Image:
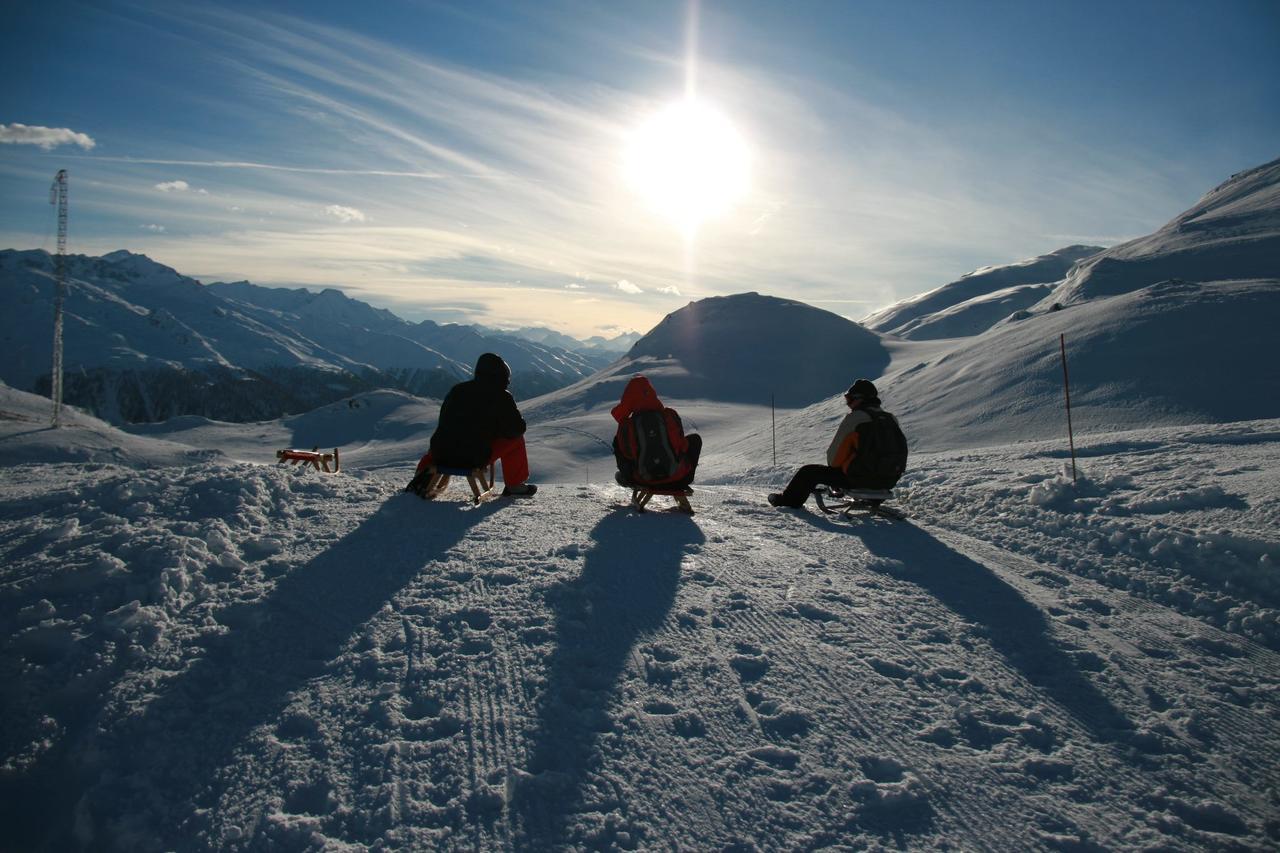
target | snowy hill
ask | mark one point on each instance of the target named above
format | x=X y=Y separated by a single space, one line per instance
x=746 y=347
x=239 y=656
x=144 y=343
x=971 y=304
x=1158 y=355
x=1232 y=233
x=1160 y=330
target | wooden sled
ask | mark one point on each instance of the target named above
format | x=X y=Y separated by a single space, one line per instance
x=641 y=495
x=314 y=457
x=479 y=479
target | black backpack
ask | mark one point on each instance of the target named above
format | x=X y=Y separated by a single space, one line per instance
x=650 y=443
x=882 y=452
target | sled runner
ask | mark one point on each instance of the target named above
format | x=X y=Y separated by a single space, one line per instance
x=313 y=456
x=844 y=501
x=641 y=495
x=432 y=482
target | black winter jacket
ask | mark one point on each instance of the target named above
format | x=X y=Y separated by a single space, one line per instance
x=473 y=414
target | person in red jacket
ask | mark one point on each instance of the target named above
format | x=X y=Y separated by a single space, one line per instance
x=669 y=458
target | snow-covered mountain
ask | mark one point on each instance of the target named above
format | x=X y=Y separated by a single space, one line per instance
x=1172 y=328
x=143 y=343
x=749 y=347
x=1233 y=233
x=978 y=299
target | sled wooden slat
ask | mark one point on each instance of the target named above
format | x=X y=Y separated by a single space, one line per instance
x=479 y=479
x=640 y=497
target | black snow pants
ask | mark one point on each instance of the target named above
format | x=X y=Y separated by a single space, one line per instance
x=801 y=485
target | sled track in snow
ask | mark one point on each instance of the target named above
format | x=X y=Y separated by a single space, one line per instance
x=749 y=676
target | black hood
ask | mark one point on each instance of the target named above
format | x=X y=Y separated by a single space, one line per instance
x=491 y=368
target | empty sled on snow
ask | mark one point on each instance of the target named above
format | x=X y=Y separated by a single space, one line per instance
x=437 y=480
x=291 y=456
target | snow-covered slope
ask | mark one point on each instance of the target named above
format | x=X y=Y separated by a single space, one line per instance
x=974 y=316
x=917 y=317
x=237 y=656
x=1231 y=233
x=26 y=437
x=1171 y=353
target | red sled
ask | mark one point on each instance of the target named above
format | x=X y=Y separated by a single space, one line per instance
x=312 y=457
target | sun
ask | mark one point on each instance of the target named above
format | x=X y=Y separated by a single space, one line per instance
x=689 y=163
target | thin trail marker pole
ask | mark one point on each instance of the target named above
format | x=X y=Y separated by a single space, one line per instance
x=58 y=196
x=1066 y=387
x=773 y=417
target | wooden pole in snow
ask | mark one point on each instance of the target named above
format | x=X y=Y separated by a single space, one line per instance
x=1066 y=387
x=773 y=418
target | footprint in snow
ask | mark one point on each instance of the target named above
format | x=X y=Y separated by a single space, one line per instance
x=775 y=756
x=475 y=618
x=297 y=726
x=661 y=664
x=889 y=669
x=814 y=612
x=778 y=718
x=750 y=667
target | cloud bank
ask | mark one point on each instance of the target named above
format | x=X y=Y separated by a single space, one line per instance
x=47 y=138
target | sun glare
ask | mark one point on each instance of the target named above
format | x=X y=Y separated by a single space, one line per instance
x=688 y=163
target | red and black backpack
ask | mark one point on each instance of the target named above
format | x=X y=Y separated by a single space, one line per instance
x=645 y=437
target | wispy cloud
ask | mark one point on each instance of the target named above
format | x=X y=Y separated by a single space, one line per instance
x=344 y=214
x=179 y=187
x=668 y=290
x=275 y=167
x=627 y=287
x=47 y=138
x=153 y=228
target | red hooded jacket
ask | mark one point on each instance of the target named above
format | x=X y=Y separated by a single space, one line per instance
x=639 y=396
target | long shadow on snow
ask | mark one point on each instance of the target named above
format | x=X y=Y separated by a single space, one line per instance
x=626 y=590
x=163 y=759
x=1015 y=627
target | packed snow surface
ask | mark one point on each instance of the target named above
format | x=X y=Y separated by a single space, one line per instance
x=204 y=651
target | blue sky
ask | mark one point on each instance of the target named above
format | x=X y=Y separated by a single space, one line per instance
x=464 y=161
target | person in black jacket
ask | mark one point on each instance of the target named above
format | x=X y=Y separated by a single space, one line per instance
x=479 y=423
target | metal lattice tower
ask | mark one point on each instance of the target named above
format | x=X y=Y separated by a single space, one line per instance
x=58 y=196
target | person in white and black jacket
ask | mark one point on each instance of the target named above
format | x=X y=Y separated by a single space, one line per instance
x=868 y=451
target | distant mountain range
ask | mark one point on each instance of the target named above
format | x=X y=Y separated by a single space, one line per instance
x=144 y=343
x=617 y=344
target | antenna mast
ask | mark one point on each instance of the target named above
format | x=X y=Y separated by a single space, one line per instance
x=58 y=196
